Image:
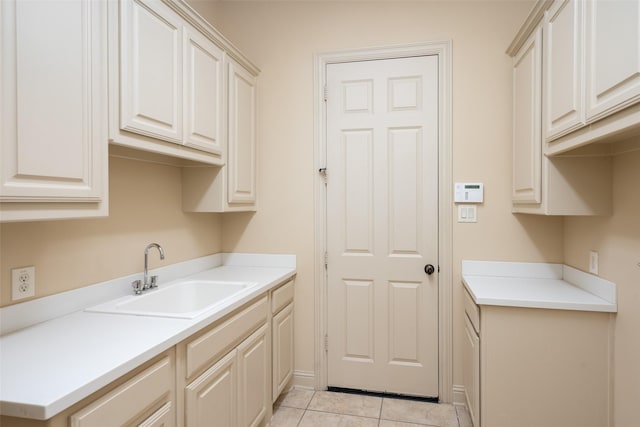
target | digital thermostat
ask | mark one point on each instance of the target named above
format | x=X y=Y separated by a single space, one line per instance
x=468 y=192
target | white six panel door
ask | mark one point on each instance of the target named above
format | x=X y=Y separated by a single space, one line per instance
x=382 y=223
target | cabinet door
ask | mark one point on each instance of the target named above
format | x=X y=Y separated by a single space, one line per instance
x=613 y=56
x=471 y=371
x=213 y=395
x=241 y=166
x=563 y=106
x=151 y=70
x=203 y=93
x=282 y=349
x=527 y=143
x=253 y=375
x=53 y=92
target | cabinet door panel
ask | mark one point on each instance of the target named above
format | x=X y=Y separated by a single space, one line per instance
x=613 y=56
x=151 y=72
x=563 y=69
x=471 y=371
x=253 y=369
x=53 y=85
x=527 y=141
x=282 y=350
x=213 y=395
x=203 y=115
x=242 y=138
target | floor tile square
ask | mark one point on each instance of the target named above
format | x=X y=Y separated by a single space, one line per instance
x=464 y=419
x=295 y=398
x=387 y=423
x=326 y=419
x=286 y=417
x=347 y=404
x=409 y=411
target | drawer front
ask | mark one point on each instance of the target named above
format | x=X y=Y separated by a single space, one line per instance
x=133 y=399
x=472 y=310
x=281 y=297
x=205 y=349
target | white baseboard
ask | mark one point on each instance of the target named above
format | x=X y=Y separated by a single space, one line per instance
x=459 y=395
x=304 y=380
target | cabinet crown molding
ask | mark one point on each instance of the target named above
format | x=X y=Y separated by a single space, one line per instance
x=194 y=18
x=528 y=26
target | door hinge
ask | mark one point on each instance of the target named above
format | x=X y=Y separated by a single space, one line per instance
x=326 y=343
x=326 y=259
x=323 y=174
x=326 y=93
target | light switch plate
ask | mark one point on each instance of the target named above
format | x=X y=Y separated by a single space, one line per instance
x=467 y=213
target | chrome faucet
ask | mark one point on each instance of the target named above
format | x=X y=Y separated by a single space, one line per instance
x=148 y=282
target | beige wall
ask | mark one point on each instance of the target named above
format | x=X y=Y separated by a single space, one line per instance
x=281 y=38
x=617 y=240
x=145 y=206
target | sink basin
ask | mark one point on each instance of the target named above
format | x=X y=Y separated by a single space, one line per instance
x=185 y=299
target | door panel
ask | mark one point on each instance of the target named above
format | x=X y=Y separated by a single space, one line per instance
x=382 y=216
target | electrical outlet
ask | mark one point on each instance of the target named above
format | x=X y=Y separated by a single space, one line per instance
x=23 y=282
x=593 y=262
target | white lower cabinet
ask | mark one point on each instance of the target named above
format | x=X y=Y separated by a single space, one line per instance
x=471 y=360
x=235 y=390
x=214 y=395
x=147 y=399
x=282 y=338
x=254 y=403
x=226 y=370
x=530 y=367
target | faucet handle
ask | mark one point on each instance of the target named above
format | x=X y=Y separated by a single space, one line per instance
x=137 y=286
x=154 y=282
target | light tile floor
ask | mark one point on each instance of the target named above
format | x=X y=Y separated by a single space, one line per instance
x=306 y=408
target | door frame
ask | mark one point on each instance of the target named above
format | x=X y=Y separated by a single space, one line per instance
x=445 y=331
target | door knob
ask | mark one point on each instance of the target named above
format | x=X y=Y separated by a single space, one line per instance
x=429 y=269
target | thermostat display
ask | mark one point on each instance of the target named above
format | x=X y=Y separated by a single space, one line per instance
x=468 y=192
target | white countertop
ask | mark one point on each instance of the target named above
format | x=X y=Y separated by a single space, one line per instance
x=49 y=366
x=537 y=285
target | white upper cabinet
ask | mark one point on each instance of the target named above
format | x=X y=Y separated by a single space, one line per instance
x=167 y=81
x=242 y=136
x=53 y=86
x=151 y=70
x=548 y=101
x=527 y=141
x=231 y=188
x=563 y=81
x=204 y=93
x=591 y=72
x=612 y=56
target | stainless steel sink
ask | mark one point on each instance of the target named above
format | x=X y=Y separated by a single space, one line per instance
x=185 y=299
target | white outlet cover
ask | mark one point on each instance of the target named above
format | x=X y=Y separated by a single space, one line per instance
x=23 y=282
